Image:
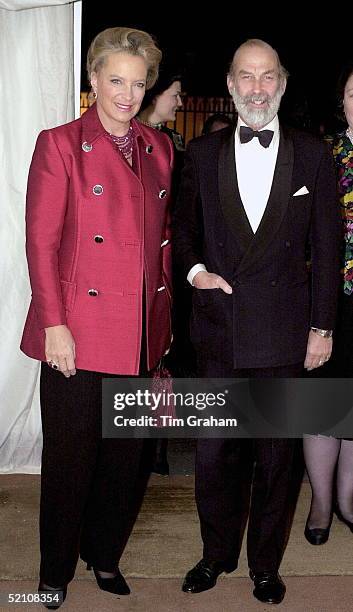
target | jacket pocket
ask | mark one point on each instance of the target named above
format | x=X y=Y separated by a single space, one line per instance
x=68 y=292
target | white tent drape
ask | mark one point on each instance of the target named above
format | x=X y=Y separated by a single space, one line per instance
x=36 y=92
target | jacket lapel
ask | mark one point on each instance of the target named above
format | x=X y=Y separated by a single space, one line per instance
x=276 y=206
x=92 y=129
x=230 y=200
x=93 y=133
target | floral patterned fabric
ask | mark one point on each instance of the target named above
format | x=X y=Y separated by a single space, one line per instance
x=343 y=155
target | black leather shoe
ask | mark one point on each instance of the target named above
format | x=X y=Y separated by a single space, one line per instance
x=116 y=584
x=57 y=594
x=269 y=587
x=204 y=575
x=317 y=535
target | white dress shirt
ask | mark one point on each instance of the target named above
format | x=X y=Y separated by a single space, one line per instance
x=255 y=166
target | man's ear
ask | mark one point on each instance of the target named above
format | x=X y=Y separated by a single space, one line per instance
x=283 y=86
x=230 y=84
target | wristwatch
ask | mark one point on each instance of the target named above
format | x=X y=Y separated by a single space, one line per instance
x=325 y=333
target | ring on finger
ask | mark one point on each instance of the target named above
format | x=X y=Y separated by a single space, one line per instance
x=52 y=364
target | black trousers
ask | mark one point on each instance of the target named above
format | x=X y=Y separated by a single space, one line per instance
x=223 y=480
x=91 y=488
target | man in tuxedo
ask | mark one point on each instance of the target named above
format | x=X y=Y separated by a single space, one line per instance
x=251 y=201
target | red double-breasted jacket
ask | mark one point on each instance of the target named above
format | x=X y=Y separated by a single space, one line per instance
x=97 y=236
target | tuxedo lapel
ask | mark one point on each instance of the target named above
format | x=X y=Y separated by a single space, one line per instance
x=230 y=200
x=276 y=206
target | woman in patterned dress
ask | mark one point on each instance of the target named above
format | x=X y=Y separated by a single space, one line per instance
x=327 y=457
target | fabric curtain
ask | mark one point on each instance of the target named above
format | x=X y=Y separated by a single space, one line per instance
x=36 y=92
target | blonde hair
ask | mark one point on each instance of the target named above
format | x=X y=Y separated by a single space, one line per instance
x=134 y=42
x=257 y=42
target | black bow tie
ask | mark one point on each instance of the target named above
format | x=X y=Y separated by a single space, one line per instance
x=247 y=134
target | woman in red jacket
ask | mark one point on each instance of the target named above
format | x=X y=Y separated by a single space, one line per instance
x=99 y=261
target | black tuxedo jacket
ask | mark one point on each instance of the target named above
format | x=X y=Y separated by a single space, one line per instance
x=276 y=295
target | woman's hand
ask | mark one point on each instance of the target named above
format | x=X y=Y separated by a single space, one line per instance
x=60 y=349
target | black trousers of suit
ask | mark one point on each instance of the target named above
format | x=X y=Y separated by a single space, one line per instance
x=91 y=488
x=223 y=479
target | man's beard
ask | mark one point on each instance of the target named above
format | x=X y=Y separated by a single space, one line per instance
x=254 y=117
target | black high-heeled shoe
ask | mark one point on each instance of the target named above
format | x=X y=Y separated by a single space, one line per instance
x=58 y=595
x=116 y=584
x=317 y=535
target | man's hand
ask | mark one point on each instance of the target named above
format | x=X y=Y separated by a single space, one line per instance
x=318 y=351
x=60 y=349
x=208 y=280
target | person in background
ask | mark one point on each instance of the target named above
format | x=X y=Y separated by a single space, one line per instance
x=100 y=268
x=329 y=461
x=216 y=122
x=159 y=107
x=249 y=199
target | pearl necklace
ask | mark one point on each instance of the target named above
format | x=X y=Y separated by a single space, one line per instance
x=349 y=133
x=125 y=143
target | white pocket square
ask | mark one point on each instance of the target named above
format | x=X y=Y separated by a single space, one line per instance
x=302 y=191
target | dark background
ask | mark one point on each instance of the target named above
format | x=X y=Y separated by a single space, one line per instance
x=313 y=50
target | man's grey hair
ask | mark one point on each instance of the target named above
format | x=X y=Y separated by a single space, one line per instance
x=257 y=42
